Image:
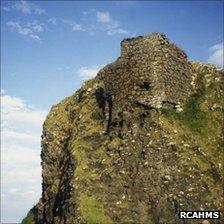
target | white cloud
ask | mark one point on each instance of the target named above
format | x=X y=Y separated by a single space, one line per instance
x=216 y=54
x=26 y=7
x=108 y=24
x=53 y=21
x=23 y=7
x=114 y=27
x=34 y=36
x=103 y=17
x=31 y=29
x=20 y=29
x=3 y=91
x=36 y=27
x=93 y=22
x=85 y=13
x=117 y=31
x=88 y=72
x=15 y=111
x=74 y=25
x=39 y=11
x=100 y=21
x=8 y=102
x=21 y=126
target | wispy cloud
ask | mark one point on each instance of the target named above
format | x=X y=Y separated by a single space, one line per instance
x=91 y=22
x=216 y=54
x=103 y=17
x=24 y=7
x=39 y=11
x=73 y=25
x=53 y=20
x=36 y=27
x=31 y=29
x=117 y=31
x=88 y=72
x=94 y=22
x=108 y=24
x=21 y=126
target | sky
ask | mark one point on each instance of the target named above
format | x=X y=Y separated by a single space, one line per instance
x=48 y=48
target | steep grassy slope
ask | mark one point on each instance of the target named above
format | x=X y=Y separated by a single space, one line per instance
x=30 y=217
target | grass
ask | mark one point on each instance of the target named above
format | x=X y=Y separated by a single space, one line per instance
x=93 y=211
x=30 y=218
x=192 y=115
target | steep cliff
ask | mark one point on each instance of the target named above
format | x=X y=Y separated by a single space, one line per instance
x=136 y=144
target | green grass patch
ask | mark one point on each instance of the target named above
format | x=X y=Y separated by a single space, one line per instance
x=192 y=115
x=93 y=211
x=30 y=217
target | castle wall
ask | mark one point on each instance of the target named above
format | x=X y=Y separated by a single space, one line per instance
x=150 y=71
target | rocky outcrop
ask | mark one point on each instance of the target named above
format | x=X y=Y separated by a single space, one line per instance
x=136 y=144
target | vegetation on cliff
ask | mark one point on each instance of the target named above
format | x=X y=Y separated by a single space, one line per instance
x=136 y=144
x=30 y=217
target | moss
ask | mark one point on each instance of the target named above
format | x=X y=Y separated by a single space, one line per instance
x=30 y=217
x=196 y=114
x=82 y=171
x=93 y=211
x=101 y=153
x=192 y=115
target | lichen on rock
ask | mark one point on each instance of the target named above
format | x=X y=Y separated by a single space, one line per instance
x=136 y=144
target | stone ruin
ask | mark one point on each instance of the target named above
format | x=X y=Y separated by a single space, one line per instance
x=150 y=71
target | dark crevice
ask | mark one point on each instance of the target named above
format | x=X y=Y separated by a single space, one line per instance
x=59 y=202
x=110 y=108
x=105 y=104
x=142 y=105
x=145 y=86
x=64 y=190
x=168 y=105
x=101 y=99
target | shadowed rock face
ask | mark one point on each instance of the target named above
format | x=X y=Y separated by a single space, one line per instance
x=136 y=144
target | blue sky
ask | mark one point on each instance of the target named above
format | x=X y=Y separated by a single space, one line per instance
x=49 y=48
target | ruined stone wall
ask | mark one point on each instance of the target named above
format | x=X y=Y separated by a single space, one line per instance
x=150 y=71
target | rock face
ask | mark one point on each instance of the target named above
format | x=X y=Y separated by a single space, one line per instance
x=136 y=144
